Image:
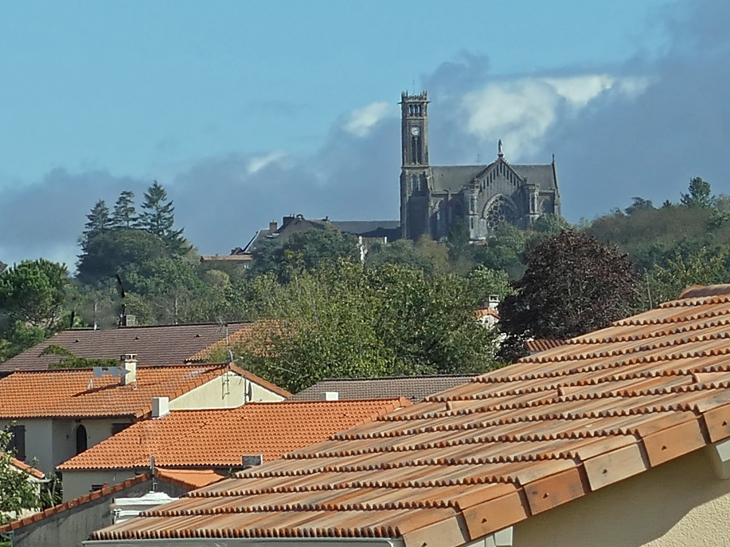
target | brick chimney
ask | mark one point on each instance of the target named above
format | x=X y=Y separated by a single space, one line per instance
x=128 y=362
x=272 y=226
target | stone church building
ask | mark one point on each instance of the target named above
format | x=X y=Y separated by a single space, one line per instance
x=433 y=197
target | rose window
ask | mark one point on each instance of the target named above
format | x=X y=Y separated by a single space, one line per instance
x=500 y=211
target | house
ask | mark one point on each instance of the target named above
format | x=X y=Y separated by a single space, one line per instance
x=413 y=388
x=57 y=414
x=618 y=438
x=154 y=346
x=69 y=523
x=219 y=440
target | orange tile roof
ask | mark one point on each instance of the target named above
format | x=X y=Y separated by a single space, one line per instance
x=543 y=344
x=485 y=455
x=27 y=468
x=483 y=312
x=76 y=393
x=189 y=479
x=220 y=438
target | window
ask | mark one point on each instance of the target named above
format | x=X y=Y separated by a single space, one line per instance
x=119 y=427
x=17 y=443
x=82 y=441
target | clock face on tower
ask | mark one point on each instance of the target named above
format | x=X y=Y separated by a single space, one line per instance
x=415 y=131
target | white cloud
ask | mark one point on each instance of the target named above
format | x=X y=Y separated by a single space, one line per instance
x=364 y=119
x=258 y=163
x=520 y=112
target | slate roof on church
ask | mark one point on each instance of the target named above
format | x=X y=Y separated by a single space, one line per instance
x=483 y=456
x=414 y=388
x=220 y=438
x=455 y=177
x=157 y=345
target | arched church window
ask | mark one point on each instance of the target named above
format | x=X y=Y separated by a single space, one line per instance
x=414 y=183
x=500 y=210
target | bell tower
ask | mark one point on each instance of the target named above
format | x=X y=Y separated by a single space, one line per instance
x=414 y=179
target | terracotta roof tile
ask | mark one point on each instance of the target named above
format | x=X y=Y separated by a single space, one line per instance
x=512 y=443
x=220 y=438
x=27 y=468
x=76 y=393
x=542 y=344
x=155 y=345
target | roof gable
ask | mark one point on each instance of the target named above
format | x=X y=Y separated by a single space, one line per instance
x=483 y=456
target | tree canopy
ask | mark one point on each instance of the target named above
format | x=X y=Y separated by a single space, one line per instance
x=17 y=492
x=573 y=284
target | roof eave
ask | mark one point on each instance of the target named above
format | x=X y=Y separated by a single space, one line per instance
x=250 y=542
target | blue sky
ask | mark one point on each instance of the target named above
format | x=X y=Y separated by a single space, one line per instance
x=247 y=111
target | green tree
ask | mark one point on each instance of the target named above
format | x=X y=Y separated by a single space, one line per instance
x=504 y=250
x=639 y=204
x=98 y=222
x=666 y=282
x=550 y=224
x=350 y=321
x=700 y=194
x=33 y=293
x=113 y=252
x=428 y=322
x=573 y=284
x=125 y=214
x=17 y=492
x=158 y=218
x=323 y=328
x=401 y=251
x=304 y=251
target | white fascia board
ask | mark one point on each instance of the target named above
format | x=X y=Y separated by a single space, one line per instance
x=249 y=542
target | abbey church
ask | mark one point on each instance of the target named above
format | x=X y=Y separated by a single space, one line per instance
x=433 y=197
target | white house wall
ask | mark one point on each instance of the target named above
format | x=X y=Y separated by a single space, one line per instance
x=78 y=483
x=678 y=504
x=226 y=391
x=38 y=445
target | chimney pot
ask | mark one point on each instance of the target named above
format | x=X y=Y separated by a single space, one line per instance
x=330 y=396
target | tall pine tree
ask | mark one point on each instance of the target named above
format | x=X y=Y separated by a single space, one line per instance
x=98 y=222
x=124 y=215
x=158 y=218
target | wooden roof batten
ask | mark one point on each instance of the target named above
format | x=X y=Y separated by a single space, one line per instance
x=466 y=464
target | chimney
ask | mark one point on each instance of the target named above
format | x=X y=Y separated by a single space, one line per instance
x=272 y=226
x=249 y=460
x=329 y=396
x=128 y=362
x=160 y=406
x=493 y=302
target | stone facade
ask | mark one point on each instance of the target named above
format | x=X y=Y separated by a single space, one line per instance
x=434 y=197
